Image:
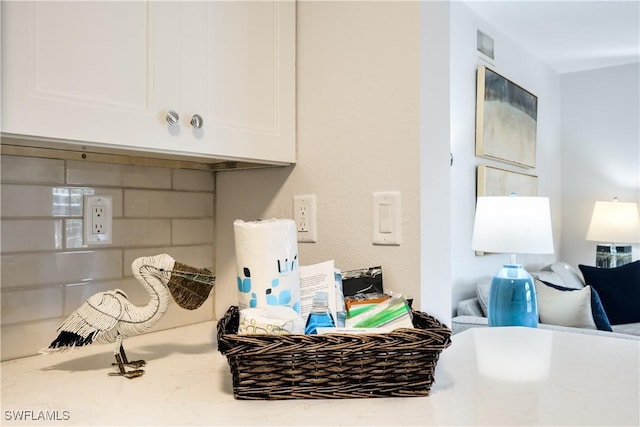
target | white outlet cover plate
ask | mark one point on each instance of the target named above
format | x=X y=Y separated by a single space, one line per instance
x=106 y=237
x=306 y=224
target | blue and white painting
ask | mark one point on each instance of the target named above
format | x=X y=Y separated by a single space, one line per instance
x=506 y=120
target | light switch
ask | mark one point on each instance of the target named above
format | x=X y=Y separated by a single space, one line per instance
x=387 y=218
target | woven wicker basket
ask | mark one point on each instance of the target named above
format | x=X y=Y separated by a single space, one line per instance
x=333 y=366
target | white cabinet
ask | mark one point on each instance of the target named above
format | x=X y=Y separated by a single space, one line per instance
x=106 y=74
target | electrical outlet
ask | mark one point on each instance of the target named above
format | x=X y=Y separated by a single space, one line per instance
x=304 y=215
x=98 y=220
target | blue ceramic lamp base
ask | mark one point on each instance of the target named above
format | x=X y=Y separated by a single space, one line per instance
x=512 y=298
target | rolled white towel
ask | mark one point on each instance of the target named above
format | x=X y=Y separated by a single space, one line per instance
x=276 y=320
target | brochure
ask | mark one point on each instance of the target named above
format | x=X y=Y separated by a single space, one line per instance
x=314 y=278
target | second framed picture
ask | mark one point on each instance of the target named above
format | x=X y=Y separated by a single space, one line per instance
x=494 y=181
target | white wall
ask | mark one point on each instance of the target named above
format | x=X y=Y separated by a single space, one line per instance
x=600 y=151
x=358 y=132
x=385 y=91
x=520 y=66
x=435 y=170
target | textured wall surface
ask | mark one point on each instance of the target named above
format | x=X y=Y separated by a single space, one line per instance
x=358 y=130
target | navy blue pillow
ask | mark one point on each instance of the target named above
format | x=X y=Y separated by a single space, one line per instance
x=597 y=310
x=619 y=290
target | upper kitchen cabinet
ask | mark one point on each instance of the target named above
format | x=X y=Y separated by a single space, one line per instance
x=206 y=79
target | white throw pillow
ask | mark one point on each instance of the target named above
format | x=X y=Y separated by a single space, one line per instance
x=571 y=278
x=548 y=277
x=565 y=308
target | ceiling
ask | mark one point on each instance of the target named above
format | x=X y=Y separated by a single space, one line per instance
x=570 y=35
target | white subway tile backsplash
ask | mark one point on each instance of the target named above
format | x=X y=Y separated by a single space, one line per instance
x=25 y=305
x=86 y=173
x=27 y=338
x=191 y=231
x=43 y=201
x=60 y=267
x=126 y=232
x=46 y=271
x=35 y=201
x=74 y=233
x=200 y=256
x=31 y=235
x=31 y=170
x=141 y=232
x=193 y=180
x=167 y=204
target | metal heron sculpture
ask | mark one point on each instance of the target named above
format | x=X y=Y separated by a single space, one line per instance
x=109 y=316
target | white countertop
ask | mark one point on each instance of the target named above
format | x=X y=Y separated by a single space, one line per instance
x=586 y=380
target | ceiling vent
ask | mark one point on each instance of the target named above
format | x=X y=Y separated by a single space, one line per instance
x=484 y=45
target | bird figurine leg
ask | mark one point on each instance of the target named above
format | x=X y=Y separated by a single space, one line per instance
x=133 y=363
x=121 y=361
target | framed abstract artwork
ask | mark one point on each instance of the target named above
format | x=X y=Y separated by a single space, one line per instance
x=494 y=181
x=506 y=120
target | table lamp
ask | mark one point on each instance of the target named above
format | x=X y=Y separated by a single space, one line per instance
x=614 y=222
x=513 y=225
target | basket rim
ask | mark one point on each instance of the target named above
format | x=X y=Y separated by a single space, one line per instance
x=436 y=333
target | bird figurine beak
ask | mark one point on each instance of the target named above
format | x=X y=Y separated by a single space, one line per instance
x=189 y=286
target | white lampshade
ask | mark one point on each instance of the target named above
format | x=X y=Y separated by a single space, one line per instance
x=614 y=222
x=513 y=224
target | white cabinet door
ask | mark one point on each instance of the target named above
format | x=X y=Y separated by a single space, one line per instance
x=107 y=73
x=243 y=84
x=99 y=72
